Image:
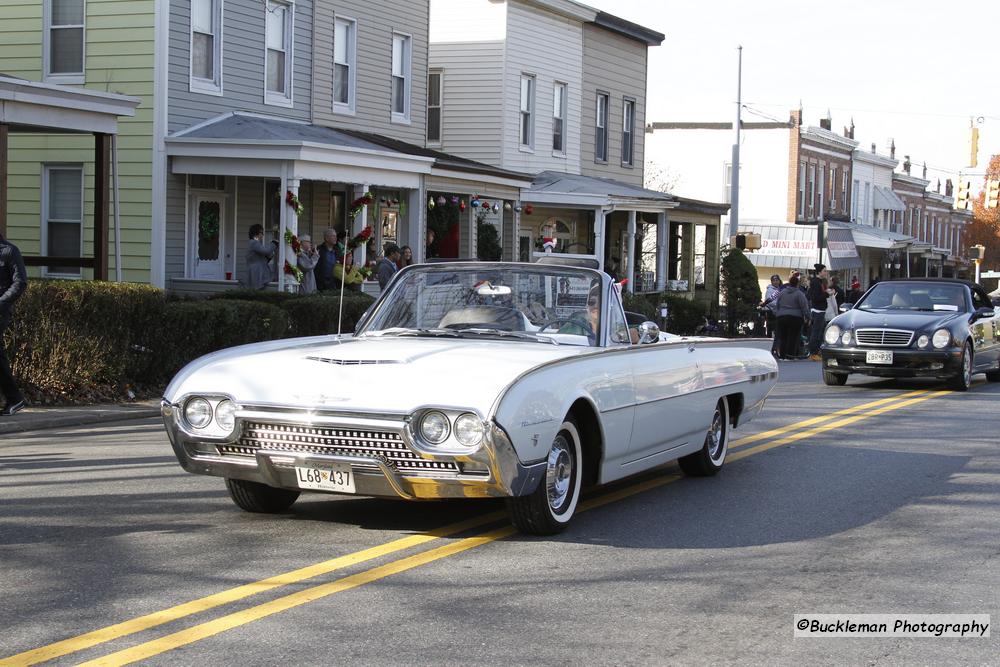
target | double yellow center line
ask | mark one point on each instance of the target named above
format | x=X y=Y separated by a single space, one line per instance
x=768 y=439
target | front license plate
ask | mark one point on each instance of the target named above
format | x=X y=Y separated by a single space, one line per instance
x=335 y=477
x=878 y=357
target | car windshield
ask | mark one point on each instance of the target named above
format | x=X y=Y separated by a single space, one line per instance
x=530 y=303
x=914 y=296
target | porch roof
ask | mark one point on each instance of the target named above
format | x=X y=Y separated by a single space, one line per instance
x=33 y=106
x=886 y=200
x=248 y=135
x=556 y=187
x=880 y=239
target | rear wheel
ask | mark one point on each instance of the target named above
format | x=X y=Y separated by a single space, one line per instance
x=260 y=498
x=709 y=459
x=963 y=380
x=549 y=508
x=834 y=379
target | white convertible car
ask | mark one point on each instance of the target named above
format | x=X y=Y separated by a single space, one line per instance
x=467 y=380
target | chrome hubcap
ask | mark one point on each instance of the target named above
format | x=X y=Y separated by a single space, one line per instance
x=559 y=472
x=715 y=436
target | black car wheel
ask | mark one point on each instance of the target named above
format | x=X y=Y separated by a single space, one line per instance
x=260 y=498
x=834 y=379
x=963 y=380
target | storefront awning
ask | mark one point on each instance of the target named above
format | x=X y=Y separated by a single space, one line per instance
x=784 y=245
x=880 y=239
x=886 y=200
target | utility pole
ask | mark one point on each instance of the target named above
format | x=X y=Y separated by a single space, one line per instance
x=734 y=196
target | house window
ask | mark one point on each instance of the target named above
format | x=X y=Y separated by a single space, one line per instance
x=401 y=78
x=64 y=40
x=700 y=255
x=434 y=89
x=854 y=200
x=802 y=190
x=833 y=187
x=628 y=132
x=843 y=192
x=867 y=213
x=278 y=79
x=344 y=58
x=601 y=132
x=206 y=46
x=812 y=191
x=62 y=215
x=821 y=200
x=559 y=117
x=527 y=111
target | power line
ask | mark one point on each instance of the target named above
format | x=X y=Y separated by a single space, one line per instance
x=884 y=111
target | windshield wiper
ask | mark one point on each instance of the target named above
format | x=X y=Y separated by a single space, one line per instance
x=500 y=333
x=429 y=333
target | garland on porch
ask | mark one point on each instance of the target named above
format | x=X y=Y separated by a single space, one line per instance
x=293 y=271
x=293 y=201
x=361 y=238
x=358 y=204
x=293 y=241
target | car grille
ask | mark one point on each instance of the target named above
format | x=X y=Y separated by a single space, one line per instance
x=386 y=446
x=884 y=337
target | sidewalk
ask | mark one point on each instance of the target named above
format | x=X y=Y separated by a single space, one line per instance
x=36 y=419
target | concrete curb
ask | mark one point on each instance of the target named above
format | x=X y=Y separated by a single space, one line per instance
x=38 y=419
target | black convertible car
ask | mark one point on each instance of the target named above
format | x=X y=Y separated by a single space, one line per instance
x=920 y=327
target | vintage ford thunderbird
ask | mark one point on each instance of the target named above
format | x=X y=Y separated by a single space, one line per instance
x=467 y=380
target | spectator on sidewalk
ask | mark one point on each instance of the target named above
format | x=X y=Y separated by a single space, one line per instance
x=13 y=282
x=770 y=305
x=329 y=253
x=307 y=259
x=386 y=267
x=792 y=312
x=259 y=256
x=817 y=297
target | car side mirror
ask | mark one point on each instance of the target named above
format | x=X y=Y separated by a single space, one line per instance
x=982 y=314
x=844 y=307
x=648 y=333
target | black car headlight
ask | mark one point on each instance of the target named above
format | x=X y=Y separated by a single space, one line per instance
x=832 y=334
x=941 y=339
x=923 y=341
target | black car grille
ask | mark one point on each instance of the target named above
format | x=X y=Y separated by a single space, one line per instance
x=386 y=446
x=884 y=337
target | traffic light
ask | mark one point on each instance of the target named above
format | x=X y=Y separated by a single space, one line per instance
x=992 y=193
x=962 y=202
x=738 y=241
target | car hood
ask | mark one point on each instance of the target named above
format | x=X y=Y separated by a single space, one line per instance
x=889 y=319
x=386 y=375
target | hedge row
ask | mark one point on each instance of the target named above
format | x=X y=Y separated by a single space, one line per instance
x=683 y=318
x=80 y=341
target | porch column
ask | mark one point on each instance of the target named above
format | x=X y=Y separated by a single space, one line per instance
x=291 y=224
x=358 y=224
x=3 y=178
x=102 y=203
x=662 y=249
x=630 y=252
x=600 y=230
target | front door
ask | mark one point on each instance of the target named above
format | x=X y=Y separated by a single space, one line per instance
x=208 y=236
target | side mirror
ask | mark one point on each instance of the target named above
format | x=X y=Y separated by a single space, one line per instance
x=648 y=333
x=982 y=314
x=844 y=307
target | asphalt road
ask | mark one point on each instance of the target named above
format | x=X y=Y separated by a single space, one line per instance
x=892 y=505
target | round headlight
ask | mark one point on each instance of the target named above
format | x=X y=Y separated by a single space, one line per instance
x=469 y=429
x=923 y=341
x=832 y=334
x=225 y=415
x=434 y=427
x=846 y=338
x=198 y=412
x=941 y=339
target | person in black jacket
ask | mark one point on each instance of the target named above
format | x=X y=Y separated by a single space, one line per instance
x=13 y=282
x=817 y=297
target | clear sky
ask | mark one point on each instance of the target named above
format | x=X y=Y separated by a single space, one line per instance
x=915 y=71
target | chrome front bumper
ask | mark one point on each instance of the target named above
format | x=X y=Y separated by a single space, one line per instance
x=492 y=471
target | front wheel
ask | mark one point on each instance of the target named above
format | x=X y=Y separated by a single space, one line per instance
x=549 y=508
x=963 y=380
x=709 y=459
x=834 y=379
x=260 y=498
